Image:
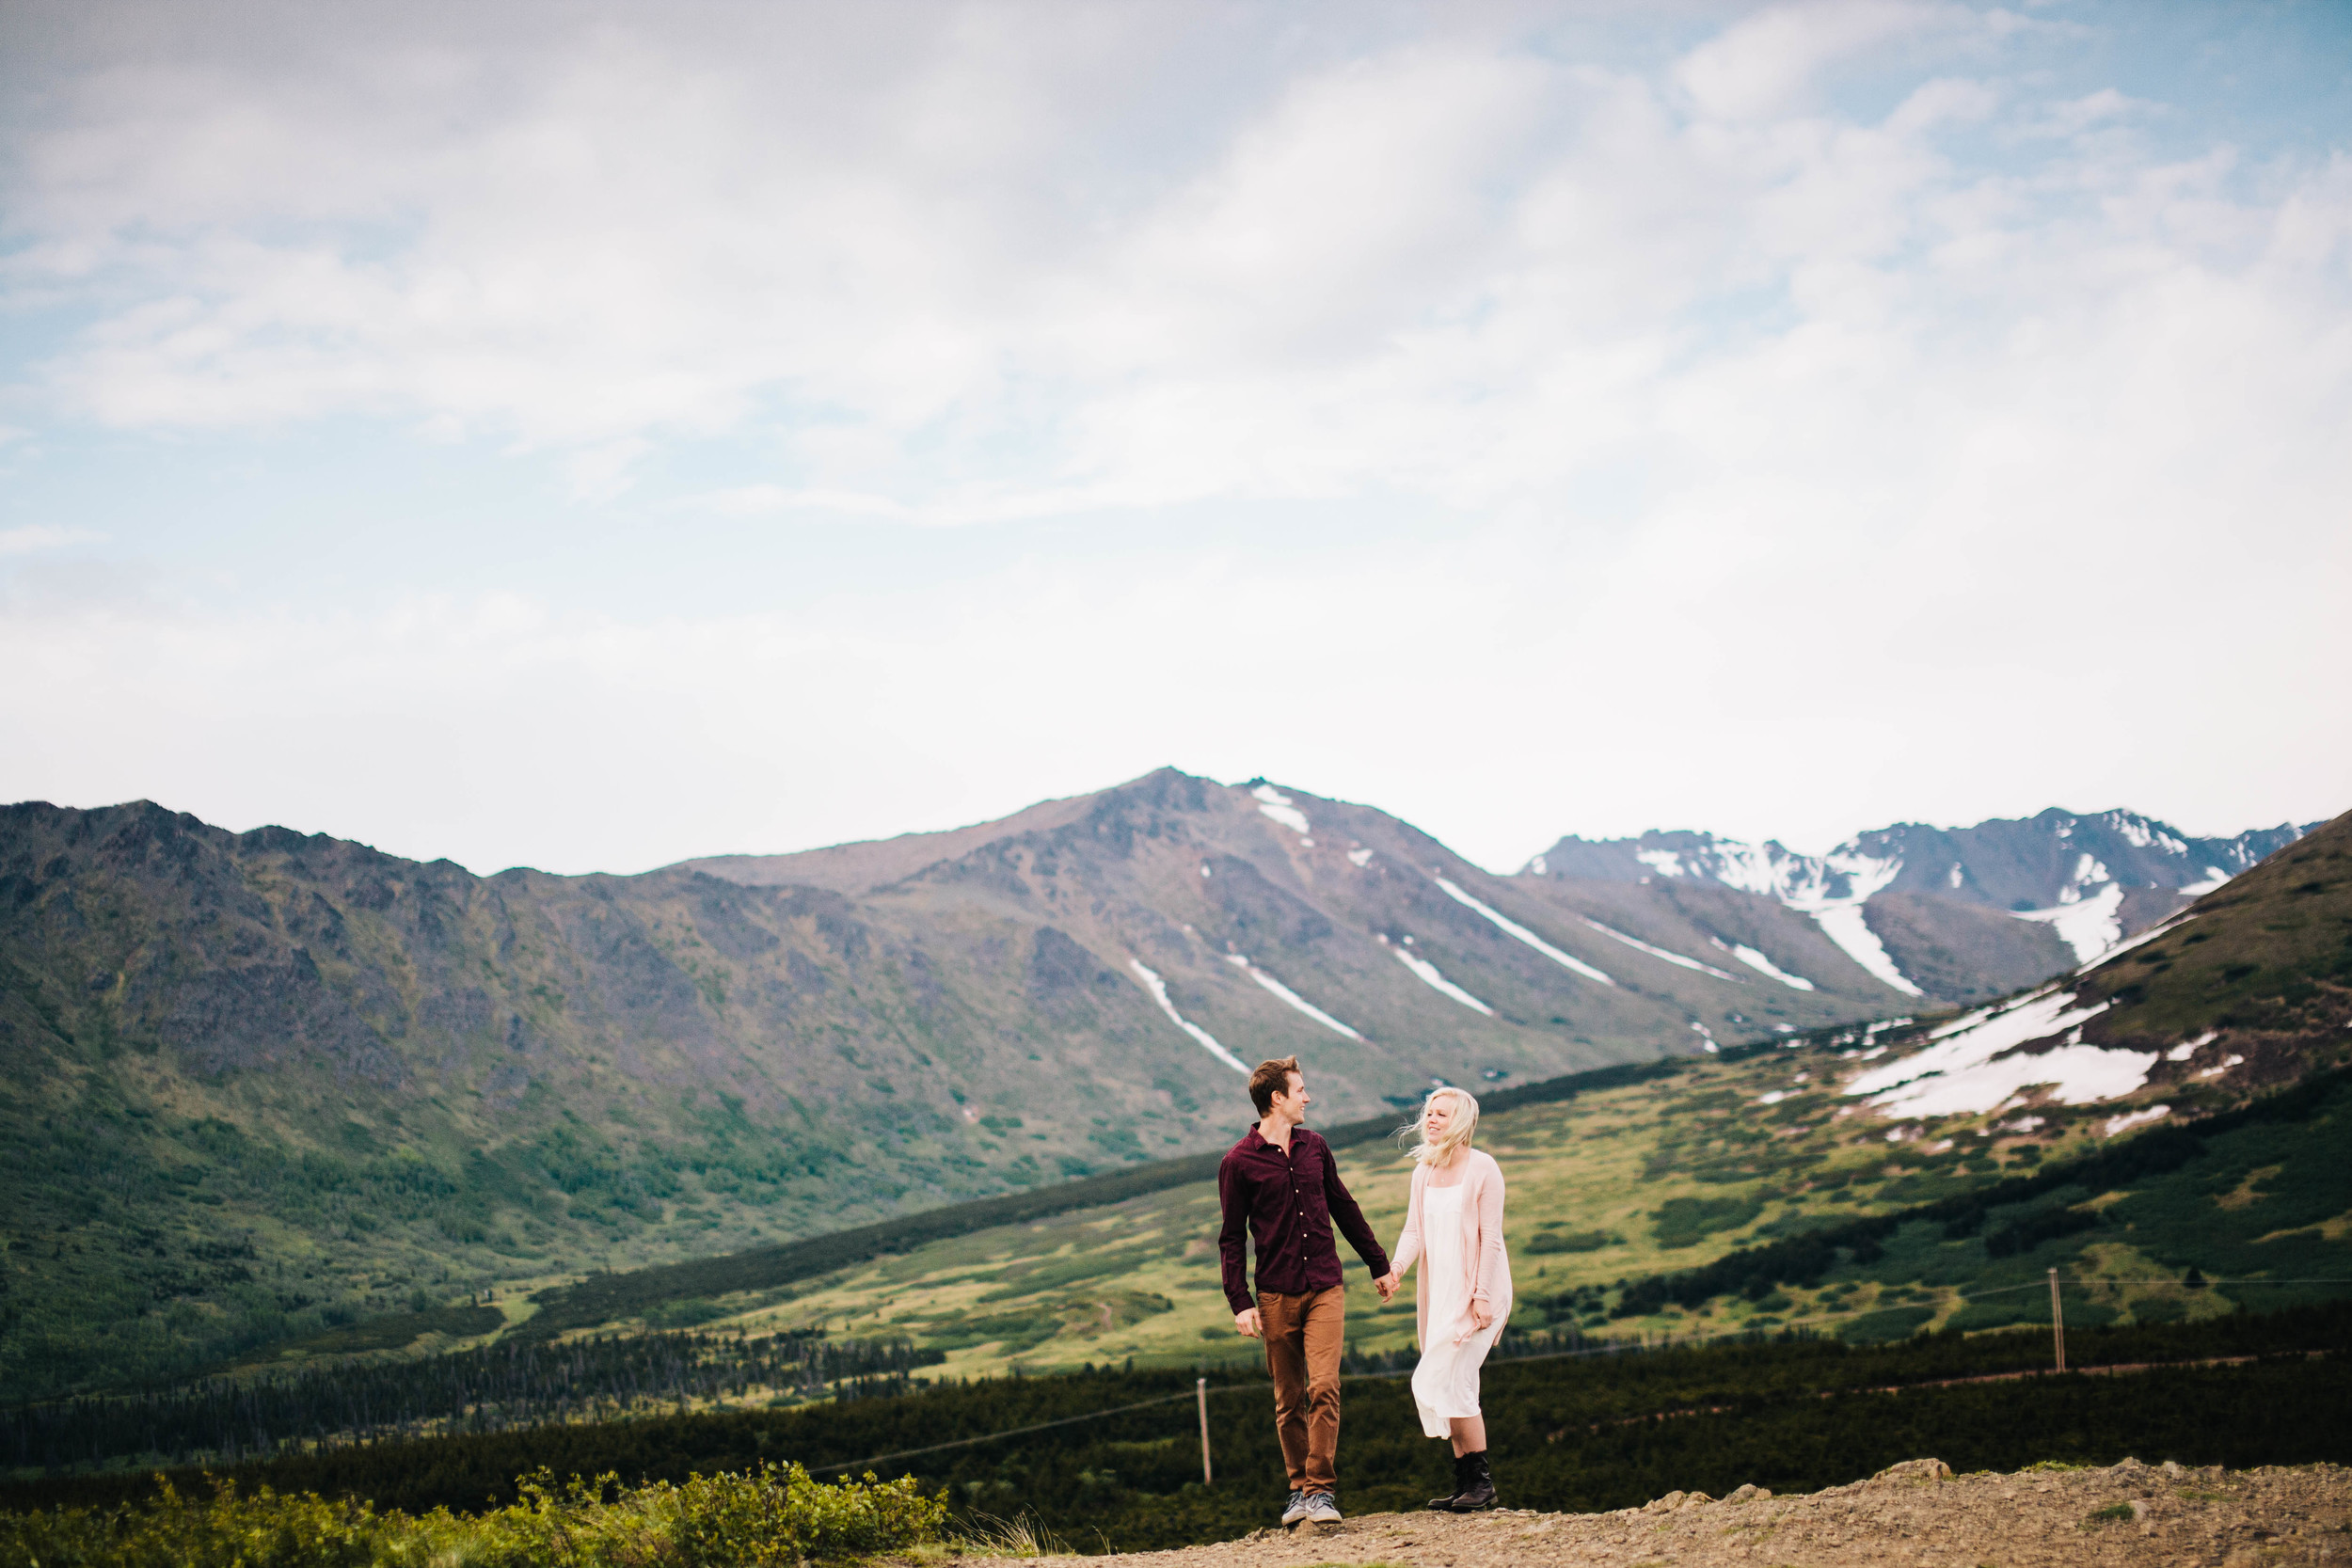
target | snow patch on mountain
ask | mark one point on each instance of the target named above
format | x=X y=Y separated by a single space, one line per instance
x=1843 y=925
x=1615 y=934
x=1158 y=988
x=1512 y=927
x=1428 y=971
x=2089 y=926
x=1975 y=1064
x=1274 y=804
x=2130 y=1120
x=1290 y=996
x=1762 y=965
x=1834 y=898
x=2077 y=1075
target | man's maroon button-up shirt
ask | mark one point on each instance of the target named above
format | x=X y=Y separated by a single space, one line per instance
x=1288 y=1202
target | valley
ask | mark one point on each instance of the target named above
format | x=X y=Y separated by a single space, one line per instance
x=279 y=1095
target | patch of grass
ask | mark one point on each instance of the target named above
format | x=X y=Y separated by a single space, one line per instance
x=1572 y=1240
x=1020 y=1536
x=1890 y=1323
x=1681 y=1222
x=2114 y=1513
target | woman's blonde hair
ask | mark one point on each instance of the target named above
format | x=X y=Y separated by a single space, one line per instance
x=1457 y=1132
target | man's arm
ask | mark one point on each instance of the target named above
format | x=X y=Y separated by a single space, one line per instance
x=1350 y=1219
x=1232 y=1196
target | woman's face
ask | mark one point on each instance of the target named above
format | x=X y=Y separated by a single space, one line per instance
x=1435 y=1118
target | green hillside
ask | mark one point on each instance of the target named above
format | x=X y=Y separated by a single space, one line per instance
x=1622 y=1181
x=152 y=1232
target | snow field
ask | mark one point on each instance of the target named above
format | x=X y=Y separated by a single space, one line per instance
x=1966 y=1072
x=2091 y=927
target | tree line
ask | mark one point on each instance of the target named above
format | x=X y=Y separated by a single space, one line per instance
x=512 y=1385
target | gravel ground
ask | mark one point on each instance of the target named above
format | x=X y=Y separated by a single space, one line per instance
x=1915 y=1513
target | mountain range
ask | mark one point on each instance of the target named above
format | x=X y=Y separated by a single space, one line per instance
x=1910 y=903
x=260 y=1084
x=2170 y=1129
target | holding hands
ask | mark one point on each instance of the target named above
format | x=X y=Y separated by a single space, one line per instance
x=1387 y=1285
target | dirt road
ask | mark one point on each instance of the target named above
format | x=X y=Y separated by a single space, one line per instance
x=1916 y=1513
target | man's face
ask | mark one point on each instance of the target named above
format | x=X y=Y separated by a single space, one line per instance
x=1294 y=1101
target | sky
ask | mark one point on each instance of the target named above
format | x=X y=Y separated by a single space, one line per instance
x=587 y=436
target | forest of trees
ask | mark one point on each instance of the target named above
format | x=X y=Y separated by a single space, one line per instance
x=520 y=1384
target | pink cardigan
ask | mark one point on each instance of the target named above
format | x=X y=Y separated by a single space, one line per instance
x=1482 y=1241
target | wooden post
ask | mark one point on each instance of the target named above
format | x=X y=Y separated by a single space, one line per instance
x=2057 y=1321
x=1200 y=1390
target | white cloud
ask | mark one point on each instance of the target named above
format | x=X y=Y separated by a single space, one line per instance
x=44 y=536
x=1765 y=64
x=1730 y=424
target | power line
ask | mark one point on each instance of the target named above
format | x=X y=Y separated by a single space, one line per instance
x=1018 y=1431
x=1614 y=1347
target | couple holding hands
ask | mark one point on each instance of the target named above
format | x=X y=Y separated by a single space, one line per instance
x=1281 y=1185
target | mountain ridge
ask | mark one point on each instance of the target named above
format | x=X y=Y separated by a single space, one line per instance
x=2089 y=880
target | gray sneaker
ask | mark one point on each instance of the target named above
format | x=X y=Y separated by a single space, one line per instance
x=1321 y=1507
x=1295 y=1509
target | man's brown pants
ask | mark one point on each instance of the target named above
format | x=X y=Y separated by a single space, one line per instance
x=1304 y=1336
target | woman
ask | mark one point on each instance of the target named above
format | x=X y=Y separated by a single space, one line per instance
x=1454 y=1219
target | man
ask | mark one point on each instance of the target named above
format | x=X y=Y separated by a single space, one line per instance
x=1279 y=1182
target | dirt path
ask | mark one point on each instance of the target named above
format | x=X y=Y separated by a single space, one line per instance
x=1917 y=1513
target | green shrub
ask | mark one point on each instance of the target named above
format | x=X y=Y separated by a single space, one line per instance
x=265 y=1531
x=769 y=1518
x=1571 y=1241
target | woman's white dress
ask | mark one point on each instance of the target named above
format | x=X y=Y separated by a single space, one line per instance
x=1445 y=1385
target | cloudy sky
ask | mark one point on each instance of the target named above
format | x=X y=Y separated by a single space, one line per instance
x=584 y=436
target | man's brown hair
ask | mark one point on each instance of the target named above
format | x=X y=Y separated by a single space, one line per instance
x=1272 y=1078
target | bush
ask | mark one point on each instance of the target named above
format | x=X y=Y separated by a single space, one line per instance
x=265 y=1530
x=766 y=1519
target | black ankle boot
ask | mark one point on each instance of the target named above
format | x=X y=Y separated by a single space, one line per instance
x=1478 y=1488
x=1461 y=1483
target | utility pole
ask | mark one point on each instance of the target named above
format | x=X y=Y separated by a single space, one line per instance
x=2057 y=1321
x=1200 y=1392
